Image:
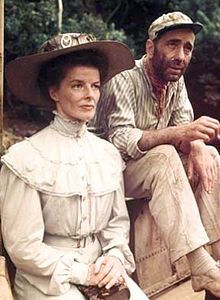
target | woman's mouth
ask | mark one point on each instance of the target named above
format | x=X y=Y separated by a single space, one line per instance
x=88 y=107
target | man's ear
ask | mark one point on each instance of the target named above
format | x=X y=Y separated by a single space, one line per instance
x=149 y=48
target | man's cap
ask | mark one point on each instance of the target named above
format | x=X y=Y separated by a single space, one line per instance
x=170 y=21
x=22 y=73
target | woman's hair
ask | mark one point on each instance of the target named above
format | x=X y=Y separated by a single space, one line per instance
x=54 y=71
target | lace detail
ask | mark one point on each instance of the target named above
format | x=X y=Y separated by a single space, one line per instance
x=67 y=127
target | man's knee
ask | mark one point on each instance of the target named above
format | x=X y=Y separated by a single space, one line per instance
x=161 y=157
x=155 y=160
x=165 y=151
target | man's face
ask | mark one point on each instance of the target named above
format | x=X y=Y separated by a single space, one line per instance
x=172 y=54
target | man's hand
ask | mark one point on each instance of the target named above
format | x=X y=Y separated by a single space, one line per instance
x=204 y=128
x=201 y=162
x=107 y=271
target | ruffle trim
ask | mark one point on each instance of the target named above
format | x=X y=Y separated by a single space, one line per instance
x=49 y=164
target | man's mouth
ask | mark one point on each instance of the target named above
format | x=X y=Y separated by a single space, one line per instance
x=175 y=69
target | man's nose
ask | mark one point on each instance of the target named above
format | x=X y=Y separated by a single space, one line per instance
x=180 y=54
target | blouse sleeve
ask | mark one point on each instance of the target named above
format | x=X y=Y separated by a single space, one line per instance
x=115 y=237
x=22 y=228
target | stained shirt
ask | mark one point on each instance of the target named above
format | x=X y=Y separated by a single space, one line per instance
x=63 y=181
x=128 y=107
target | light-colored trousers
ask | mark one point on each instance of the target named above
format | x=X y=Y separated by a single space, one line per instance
x=186 y=220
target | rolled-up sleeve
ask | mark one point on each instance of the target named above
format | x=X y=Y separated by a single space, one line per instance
x=120 y=97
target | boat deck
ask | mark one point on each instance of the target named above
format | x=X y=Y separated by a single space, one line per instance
x=183 y=291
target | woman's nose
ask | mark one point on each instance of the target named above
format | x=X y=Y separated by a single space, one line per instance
x=89 y=92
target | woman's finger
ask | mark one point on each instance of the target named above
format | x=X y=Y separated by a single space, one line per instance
x=98 y=264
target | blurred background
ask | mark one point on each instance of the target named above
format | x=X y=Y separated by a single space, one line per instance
x=28 y=23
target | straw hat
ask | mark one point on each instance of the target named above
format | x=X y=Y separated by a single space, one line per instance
x=170 y=21
x=22 y=73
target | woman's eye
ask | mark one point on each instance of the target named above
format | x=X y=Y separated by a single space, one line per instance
x=97 y=86
x=77 y=86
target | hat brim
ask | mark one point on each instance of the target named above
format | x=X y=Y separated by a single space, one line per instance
x=195 y=27
x=22 y=73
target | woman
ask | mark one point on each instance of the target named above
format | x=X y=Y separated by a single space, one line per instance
x=64 y=219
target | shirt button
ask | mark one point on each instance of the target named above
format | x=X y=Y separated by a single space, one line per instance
x=81 y=251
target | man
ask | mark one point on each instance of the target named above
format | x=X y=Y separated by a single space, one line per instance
x=149 y=118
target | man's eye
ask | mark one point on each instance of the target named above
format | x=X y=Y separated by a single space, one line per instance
x=188 y=50
x=172 y=44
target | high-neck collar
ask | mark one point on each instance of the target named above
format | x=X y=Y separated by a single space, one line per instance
x=67 y=127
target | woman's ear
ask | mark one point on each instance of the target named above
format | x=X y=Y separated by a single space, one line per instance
x=53 y=93
x=150 y=48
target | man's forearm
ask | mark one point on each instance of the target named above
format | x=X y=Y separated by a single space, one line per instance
x=201 y=130
x=152 y=138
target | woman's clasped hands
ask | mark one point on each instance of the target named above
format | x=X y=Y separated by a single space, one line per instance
x=106 y=271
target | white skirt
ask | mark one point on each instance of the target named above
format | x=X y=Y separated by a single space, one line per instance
x=29 y=287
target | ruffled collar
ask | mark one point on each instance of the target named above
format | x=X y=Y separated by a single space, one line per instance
x=67 y=127
x=56 y=164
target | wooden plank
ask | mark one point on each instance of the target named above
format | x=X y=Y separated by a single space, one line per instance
x=5 y=289
x=154 y=271
x=1 y=71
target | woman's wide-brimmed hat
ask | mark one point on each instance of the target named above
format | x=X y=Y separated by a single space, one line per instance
x=22 y=73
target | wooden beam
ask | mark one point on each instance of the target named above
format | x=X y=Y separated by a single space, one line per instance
x=5 y=288
x=1 y=72
x=60 y=15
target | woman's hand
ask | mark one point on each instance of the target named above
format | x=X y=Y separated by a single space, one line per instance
x=107 y=271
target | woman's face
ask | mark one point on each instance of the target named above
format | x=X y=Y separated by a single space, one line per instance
x=78 y=93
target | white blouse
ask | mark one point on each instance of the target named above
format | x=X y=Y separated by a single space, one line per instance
x=63 y=181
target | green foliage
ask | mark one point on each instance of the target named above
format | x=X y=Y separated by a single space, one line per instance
x=27 y=25
x=205 y=67
x=211 y=84
x=95 y=25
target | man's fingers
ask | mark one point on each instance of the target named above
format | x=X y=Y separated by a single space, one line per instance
x=210 y=124
x=190 y=170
